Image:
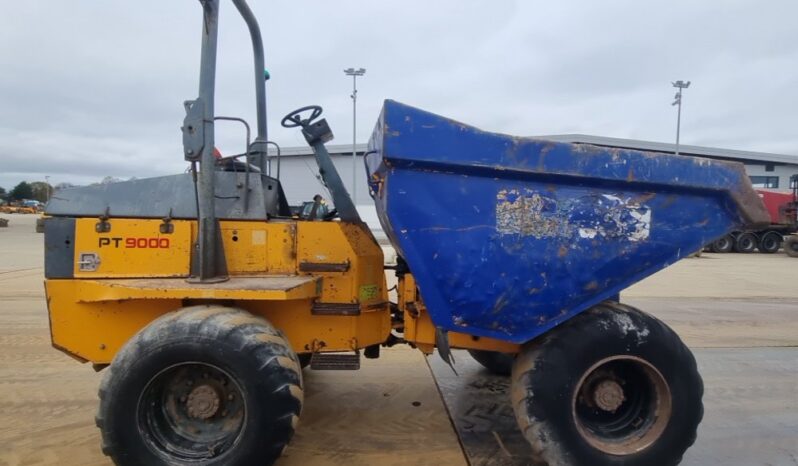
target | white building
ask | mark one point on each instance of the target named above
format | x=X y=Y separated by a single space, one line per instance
x=299 y=172
x=765 y=170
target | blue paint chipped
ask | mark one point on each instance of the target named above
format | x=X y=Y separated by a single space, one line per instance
x=542 y=215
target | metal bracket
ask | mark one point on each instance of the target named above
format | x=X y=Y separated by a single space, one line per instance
x=167 y=228
x=335 y=361
x=104 y=226
x=318 y=132
x=193 y=129
x=305 y=266
x=444 y=350
x=412 y=309
x=335 y=309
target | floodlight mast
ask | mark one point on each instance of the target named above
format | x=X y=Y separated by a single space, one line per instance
x=678 y=101
x=354 y=73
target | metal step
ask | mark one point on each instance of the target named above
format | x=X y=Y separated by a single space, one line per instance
x=335 y=361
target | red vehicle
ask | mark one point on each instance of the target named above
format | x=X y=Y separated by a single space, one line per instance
x=782 y=208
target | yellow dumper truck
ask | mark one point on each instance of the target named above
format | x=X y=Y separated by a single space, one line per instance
x=201 y=296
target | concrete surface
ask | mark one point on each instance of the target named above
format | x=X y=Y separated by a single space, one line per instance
x=739 y=313
x=389 y=413
x=750 y=403
x=723 y=276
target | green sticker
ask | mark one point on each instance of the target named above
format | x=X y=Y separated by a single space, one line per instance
x=369 y=292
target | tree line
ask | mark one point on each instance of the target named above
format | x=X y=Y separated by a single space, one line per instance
x=36 y=190
x=41 y=191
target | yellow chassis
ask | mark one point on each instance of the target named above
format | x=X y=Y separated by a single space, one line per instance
x=321 y=283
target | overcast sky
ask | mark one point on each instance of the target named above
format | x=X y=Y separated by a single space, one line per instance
x=95 y=88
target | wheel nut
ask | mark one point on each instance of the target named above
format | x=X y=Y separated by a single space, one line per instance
x=203 y=402
x=608 y=395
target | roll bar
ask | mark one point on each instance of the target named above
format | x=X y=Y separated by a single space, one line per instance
x=208 y=264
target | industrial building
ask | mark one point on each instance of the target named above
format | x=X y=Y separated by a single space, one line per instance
x=766 y=170
x=297 y=164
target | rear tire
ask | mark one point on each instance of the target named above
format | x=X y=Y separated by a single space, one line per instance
x=612 y=386
x=723 y=245
x=494 y=361
x=770 y=242
x=206 y=385
x=745 y=243
x=791 y=245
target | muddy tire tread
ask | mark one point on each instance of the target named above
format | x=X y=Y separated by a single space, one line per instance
x=212 y=322
x=544 y=449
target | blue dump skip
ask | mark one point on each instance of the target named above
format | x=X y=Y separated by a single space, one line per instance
x=508 y=237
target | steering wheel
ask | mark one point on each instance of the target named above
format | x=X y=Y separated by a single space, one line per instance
x=294 y=119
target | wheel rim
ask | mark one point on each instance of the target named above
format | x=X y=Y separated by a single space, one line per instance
x=723 y=244
x=191 y=411
x=770 y=243
x=621 y=405
x=746 y=244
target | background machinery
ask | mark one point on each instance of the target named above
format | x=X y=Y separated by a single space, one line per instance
x=21 y=207
x=201 y=296
x=782 y=208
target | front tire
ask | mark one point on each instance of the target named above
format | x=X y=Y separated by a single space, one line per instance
x=612 y=386
x=206 y=385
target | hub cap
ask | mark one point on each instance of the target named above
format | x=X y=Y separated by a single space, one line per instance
x=621 y=405
x=203 y=402
x=191 y=411
x=608 y=395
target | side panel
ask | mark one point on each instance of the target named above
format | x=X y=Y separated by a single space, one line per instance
x=309 y=333
x=138 y=247
x=96 y=331
x=349 y=260
x=352 y=310
x=59 y=247
x=259 y=247
x=420 y=330
x=133 y=248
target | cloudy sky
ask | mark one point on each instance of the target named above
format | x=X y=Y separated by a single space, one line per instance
x=95 y=88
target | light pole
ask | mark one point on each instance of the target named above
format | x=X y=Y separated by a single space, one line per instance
x=47 y=182
x=354 y=73
x=678 y=101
